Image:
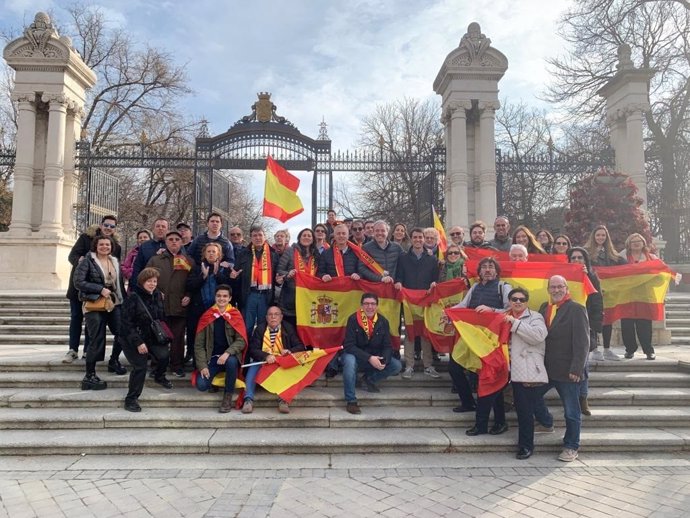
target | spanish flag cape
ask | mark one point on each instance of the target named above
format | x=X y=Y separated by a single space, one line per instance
x=634 y=290
x=233 y=317
x=484 y=341
x=291 y=373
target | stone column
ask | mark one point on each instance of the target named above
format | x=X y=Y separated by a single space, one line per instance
x=70 y=186
x=24 y=166
x=486 y=210
x=457 y=208
x=51 y=223
x=635 y=151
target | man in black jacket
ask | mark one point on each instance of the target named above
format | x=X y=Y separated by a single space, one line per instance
x=367 y=347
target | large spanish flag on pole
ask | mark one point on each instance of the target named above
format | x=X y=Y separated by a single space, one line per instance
x=486 y=335
x=534 y=277
x=290 y=374
x=280 y=193
x=634 y=290
x=324 y=307
x=442 y=239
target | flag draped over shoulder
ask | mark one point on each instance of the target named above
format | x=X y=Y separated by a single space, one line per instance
x=292 y=373
x=480 y=253
x=486 y=336
x=324 y=307
x=442 y=239
x=534 y=277
x=280 y=193
x=634 y=290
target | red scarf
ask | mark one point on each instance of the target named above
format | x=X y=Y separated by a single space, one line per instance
x=367 y=259
x=308 y=267
x=338 y=260
x=366 y=323
x=262 y=269
x=232 y=316
x=552 y=309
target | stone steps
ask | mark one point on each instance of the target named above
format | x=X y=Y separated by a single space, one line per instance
x=319 y=440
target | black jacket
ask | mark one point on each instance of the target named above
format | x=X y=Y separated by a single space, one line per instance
x=196 y=247
x=291 y=341
x=83 y=247
x=135 y=326
x=567 y=344
x=89 y=280
x=244 y=263
x=326 y=264
x=358 y=343
x=417 y=273
x=595 y=305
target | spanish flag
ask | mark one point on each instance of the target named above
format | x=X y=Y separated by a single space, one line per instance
x=634 y=290
x=439 y=331
x=534 y=277
x=280 y=193
x=290 y=374
x=486 y=335
x=442 y=240
x=324 y=307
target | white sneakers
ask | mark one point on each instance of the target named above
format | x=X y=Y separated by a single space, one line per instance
x=431 y=372
x=408 y=373
x=608 y=354
x=568 y=455
x=70 y=356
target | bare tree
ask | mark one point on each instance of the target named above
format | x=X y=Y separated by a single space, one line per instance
x=659 y=35
x=405 y=133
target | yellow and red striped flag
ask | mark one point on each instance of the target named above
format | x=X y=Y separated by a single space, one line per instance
x=280 y=192
x=324 y=307
x=480 y=253
x=439 y=331
x=486 y=335
x=442 y=240
x=292 y=373
x=634 y=290
x=534 y=277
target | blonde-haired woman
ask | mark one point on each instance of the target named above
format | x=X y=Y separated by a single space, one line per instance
x=636 y=251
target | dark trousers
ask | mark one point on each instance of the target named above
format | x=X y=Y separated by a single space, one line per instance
x=231 y=367
x=96 y=322
x=138 y=361
x=484 y=406
x=459 y=377
x=606 y=332
x=527 y=400
x=178 y=326
x=643 y=328
x=76 y=319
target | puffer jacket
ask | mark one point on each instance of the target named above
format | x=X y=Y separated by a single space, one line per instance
x=89 y=279
x=83 y=247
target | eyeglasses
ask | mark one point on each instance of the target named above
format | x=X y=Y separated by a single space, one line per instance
x=518 y=299
x=369 y=303
x=108 y=225
x=456 y=233
x=357 y=229
x=453 y=253
x=237 y=234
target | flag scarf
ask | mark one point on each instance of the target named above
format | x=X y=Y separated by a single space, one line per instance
x=486 y=335
x=442 y=240
x=180 y=262
x=634 y=290
x=324 y=307
x=534 y=277
x=480 y=253
x=301 y=266
x=292 y=373
x=338 y=261
x=366 y=259
x=262 y=269
x=280 y=192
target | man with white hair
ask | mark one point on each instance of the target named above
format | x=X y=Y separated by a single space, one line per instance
x=567 y=346
x=501 y=240
x=457 y=235
x=518 y=253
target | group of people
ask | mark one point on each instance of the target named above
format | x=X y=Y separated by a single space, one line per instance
x=233 y=302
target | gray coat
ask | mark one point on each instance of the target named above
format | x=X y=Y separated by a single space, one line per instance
x=387 y=257
x=527 y=348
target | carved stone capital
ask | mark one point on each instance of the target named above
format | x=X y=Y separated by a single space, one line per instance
x=24 y=97
x=58 y=100
x=489 y=107
x=458 y=108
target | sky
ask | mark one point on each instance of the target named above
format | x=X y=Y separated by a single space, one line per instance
x=324 y=60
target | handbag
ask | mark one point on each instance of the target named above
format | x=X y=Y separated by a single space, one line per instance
x=159 y=329
x=100 y=304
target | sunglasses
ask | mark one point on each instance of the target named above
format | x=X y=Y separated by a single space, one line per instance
x=108 y=225
x=456 y=233
x=235 y=233
x=453 y=253
x=357 y=229
x=518 y=299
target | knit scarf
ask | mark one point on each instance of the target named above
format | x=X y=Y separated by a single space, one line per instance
x=308 y=266
x=453 y=270
x=366 y=323
x=338 y=260
x=262 y=269
x=551 y=310
x=276 y=347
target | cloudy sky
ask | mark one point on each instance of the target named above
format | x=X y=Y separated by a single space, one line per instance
x=334 y=60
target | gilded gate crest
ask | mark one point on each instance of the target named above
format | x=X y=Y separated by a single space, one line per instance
x=264 y=107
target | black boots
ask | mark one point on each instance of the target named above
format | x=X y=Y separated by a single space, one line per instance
x=93 y=382
x=116 y=367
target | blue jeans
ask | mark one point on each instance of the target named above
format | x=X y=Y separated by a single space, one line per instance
x=76 y=319
x=250 y=381
x=350 y=367
x=231 y=366
x=255 y=309
x=569 y=393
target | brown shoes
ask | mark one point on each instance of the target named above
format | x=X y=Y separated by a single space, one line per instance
x=584 y=406
x=283 y=407
x=248 y=406
x=226 y=404
x=353 y=408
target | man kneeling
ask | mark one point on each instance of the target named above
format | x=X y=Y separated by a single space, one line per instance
x=367 y=348
x=220 y=340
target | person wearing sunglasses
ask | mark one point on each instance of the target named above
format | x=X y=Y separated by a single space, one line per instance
x=595 y=314
x=561 y=244
x=457 y=235
x=527 y=372
x=81 y=249
x=357 y=233
x=322 y=237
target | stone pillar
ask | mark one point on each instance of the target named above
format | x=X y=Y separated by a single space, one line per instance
x=457 y=181
x=70 y=182
x=51 y=224
x=24 y=166
x=469 y=79
x=487 y=168
x=627 y=99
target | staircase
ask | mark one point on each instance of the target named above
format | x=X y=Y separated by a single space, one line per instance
x=637 y=406
x=678 y=317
